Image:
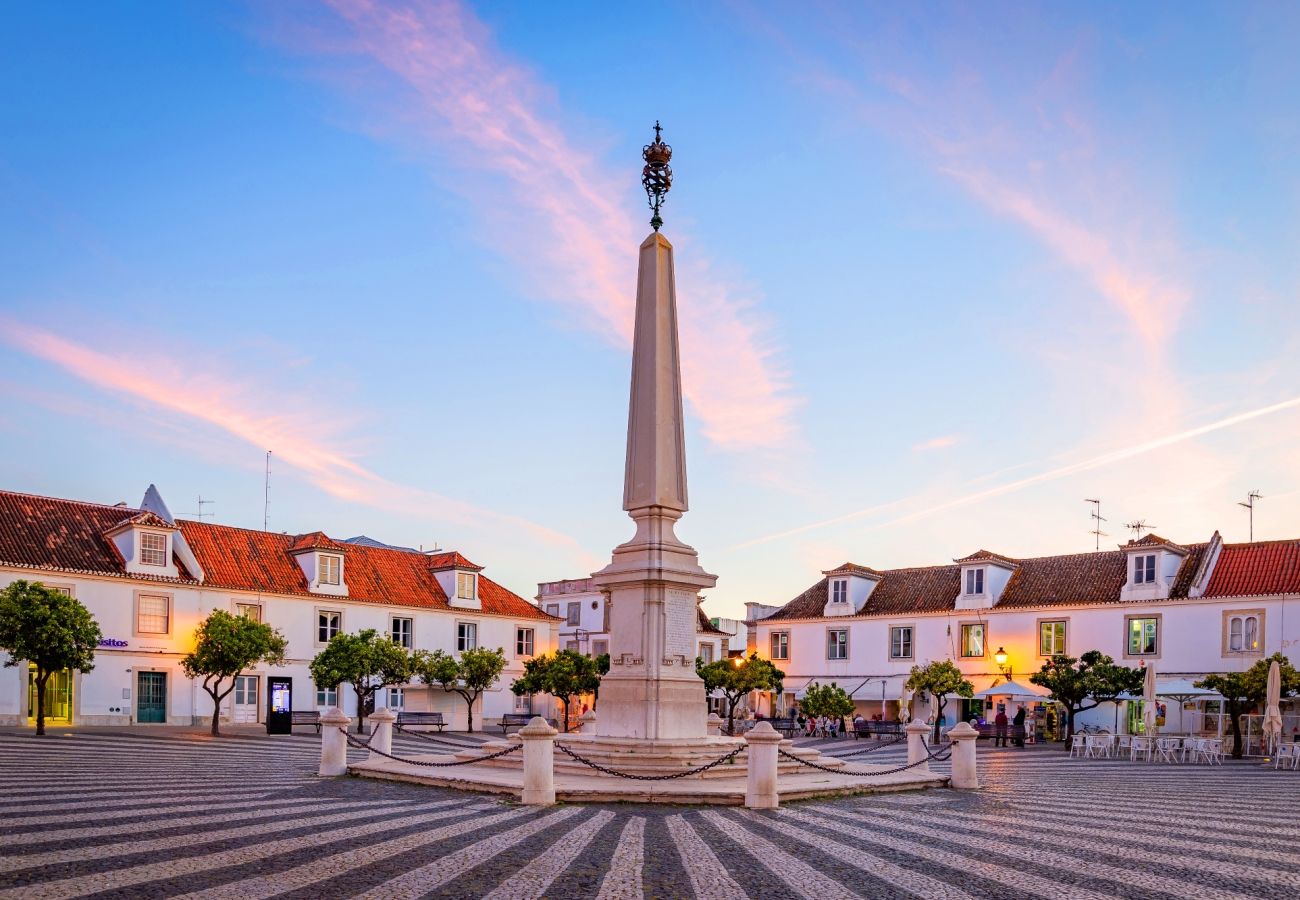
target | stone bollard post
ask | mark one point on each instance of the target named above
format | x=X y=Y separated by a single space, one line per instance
x=381 y=733
x=760 y=784
x=964 y=738
x=917 y=738
x=333 y=743
x=587 y=722
x=714 y=725
x=539 y=763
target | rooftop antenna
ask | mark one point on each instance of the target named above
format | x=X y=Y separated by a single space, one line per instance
x=1096 y=532
x=202 y=503
x=1137 y=526
x=1250 y=506
x=266 y=493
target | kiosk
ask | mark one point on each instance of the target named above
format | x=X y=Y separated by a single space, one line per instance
x=279 y=710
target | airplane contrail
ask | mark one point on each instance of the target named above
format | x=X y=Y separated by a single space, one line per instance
x=1050 y=475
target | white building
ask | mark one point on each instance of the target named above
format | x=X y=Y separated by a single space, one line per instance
x=149 y=580
x=585 y=614
x=1188 y=610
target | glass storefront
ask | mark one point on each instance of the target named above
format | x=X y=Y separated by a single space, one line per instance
x=58 y=697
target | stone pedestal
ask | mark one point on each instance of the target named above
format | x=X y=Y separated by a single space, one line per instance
x=916 y=735
x=587 y=722
x=381 y=733
x=333 y=742
x=760 y=783
x=539 y=763
x=964 y=739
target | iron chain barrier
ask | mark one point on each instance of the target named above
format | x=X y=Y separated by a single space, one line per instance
x=879 y=746
x=608 y=771
x=834 y=771
x=421 y=762
x=429 y=737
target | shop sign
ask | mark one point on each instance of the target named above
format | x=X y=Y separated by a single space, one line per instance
x=111 y=642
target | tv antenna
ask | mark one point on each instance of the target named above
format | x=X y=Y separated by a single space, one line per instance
x=1096 y=532
x=1250 y=506
x=1137 y=526
x=266 y=493
x=202 y=503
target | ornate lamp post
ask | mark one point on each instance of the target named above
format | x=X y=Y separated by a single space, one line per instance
x=1001 y=659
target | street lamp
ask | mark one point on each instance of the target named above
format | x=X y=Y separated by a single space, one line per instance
x=1001 y=659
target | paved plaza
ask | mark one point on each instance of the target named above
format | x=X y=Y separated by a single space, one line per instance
x=160 y=814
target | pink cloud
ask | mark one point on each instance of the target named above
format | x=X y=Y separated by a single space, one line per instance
x=563 y=218
x=937 y=443
x=297 y=440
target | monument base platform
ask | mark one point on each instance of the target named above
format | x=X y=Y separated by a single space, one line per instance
x=576 y=782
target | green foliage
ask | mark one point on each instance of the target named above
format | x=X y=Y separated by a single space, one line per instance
x=564 y=674
x=1093 y=676
x=475 y=672
x=364 y=660
x=1240 y=689
x=939 y=679
x=736 y=677
x=828 y=700
x=224 y=647
x=48 y=629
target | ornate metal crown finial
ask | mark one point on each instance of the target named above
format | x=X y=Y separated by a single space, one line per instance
x=656 y=177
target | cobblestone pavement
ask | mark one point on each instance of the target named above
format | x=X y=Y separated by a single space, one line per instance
x=157 y=814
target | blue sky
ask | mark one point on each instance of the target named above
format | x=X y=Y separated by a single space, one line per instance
x=944 y=272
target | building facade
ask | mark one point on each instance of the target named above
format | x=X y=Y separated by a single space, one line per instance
x=1187 y=610
x=150 y=579
x=584 y=612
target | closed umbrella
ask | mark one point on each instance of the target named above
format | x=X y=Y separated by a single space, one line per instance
x=1272 y=711
x=1149 y=702
x=905 y=706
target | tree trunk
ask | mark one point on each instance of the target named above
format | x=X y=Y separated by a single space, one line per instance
x=1235 y=714
x=469 y=701
x=565 y=701
x=216 y=712
x=361 y=710
x=1068 y=740
x=938 y=717
x=41 y=678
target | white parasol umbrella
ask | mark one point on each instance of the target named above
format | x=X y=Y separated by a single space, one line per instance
x=1149 y=702
x=1272 y=726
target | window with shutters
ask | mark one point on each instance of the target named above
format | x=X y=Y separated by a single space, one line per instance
x=465 y=585
x=329 y=568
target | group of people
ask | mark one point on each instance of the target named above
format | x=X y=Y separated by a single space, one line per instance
x=1000 y=723
x=819 y=726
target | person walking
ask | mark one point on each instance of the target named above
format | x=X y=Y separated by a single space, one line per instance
x=1000 y=727
x=1018 y=726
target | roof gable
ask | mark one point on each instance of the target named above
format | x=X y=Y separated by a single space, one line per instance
x=1263 y=568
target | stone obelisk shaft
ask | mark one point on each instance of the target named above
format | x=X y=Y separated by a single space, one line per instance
x=653 y=582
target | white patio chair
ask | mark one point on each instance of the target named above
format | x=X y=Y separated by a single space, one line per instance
x=1123 y=743
x=1139 y=746
x=1288 y=756
x=1169 y=749
x=1211 y=751
x=1079 y=745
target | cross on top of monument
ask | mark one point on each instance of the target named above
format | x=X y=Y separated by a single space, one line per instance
x=656 y=177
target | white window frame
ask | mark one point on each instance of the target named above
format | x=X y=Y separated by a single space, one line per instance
x=911 y=642
x=783 y=639
x=525 y=641
x=974 y=582
x=145 y=558
x=409 y=632
x=1065 y=636
x=168 y=614
x=1128 y=634
x=1144 y=568
x=840 y=590
x=706 y=652
x=465 y=586
x=329 y=569
x=326 y=611
x=961 y=640
x=327 y=697
x=466 y=636
x=396 y=698
x=832 y=643
x=1242 y=619
x=241 y=606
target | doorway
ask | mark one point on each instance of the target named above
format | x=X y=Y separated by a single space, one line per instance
x=151 y=691
x=245 y=711
x=58 y=697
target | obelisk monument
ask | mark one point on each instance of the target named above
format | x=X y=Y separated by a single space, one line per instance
x=652 y=584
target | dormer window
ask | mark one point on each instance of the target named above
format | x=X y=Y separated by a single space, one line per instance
x=153 y=549
x=329 y=568
x=840 y=590
x=974 y=581
x=1144 y=568
x=465 y=585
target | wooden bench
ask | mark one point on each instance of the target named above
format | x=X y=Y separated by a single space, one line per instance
x=407 y=719
x=519 y=720
x=877 y=729
x=305 y=717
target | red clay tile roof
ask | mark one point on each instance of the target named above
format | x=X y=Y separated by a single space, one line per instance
x=63 y=535
x=48 y=534
x=1258 y=569
x=450 y=560
x=852 y=568
x=988 y=555
x=1154 y=540
x=1081 y=578
x=706 y=626
x=146 y=518
x=315 y=540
